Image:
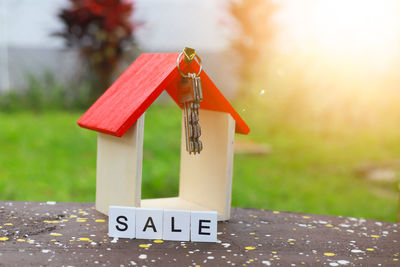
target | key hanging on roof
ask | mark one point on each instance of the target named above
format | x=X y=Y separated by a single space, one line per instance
x=190 y=95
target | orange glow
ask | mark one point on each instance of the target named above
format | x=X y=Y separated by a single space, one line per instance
x=366 y=31
x=334 y=61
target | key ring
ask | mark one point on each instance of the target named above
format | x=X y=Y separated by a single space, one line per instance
x=198 y=60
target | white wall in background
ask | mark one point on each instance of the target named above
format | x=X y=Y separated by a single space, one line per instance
x=173 y=24
x=166 y=24
x=31 y=22
x=4 y=70
x=27 y=46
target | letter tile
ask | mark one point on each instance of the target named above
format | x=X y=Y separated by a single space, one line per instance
x=121 y=222
x=176 y=225
x=203 y=226
x=149 y=223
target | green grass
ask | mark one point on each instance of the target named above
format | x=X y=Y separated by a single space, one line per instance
x=46 y=156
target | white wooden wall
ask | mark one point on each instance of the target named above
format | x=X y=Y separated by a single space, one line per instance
x=119 y=168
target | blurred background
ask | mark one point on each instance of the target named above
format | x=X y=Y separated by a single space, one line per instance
x=316 y=81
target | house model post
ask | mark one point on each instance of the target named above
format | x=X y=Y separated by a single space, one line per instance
x=119 y=115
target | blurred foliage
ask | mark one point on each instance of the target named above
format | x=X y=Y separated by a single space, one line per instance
x=314 y=98
x=320 y=122
x=101 y=30
x=322 y=117
x=46 y=156
x=255 y=31
x=46 y=93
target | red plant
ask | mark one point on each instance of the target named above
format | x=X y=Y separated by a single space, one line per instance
x=101 y=29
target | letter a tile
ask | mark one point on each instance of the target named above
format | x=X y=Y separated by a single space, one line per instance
x=149 y=223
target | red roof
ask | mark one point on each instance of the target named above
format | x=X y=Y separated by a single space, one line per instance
x=140 y=85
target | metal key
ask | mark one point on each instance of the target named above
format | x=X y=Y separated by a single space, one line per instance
x=194 y=107
x=187 y=125
x=186 y=96
x=190 y=94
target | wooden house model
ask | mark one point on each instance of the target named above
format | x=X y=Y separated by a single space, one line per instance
x=118 y=117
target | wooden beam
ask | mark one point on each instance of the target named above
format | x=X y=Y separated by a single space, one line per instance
x=206 y=178
x=119 y=168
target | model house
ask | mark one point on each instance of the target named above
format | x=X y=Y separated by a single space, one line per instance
x=118 y=117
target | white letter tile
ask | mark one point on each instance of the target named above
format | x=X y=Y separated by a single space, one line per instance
x=176 y=225
x=203 y=226
x=121 y=222
x=149 y=223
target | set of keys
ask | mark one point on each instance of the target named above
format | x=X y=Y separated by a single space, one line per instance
x=190 y=95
